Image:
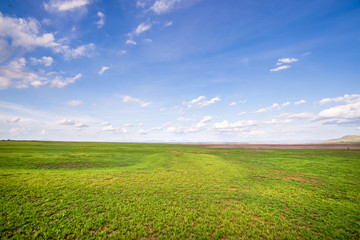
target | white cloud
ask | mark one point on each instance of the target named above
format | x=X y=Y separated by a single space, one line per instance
x=280 y=68
x=18 y=130
x=348 y=98
x=15 y=75
x=350 y=110
x=128 y=125
x=202 y=123
x=81 y=125
x=25 y=33
x=105 y=123
x=147 y=40
x=142 y=131
x=288 y=60
x=241 y=113
x=47 y=61
x=74 y=103
x=60 y=82
x=129 y=99
x=303 y=115
x=140 y=4
x=176 y=129
x=239 y=102
x=202 y=102
x=69 y=122
x=162 y=6
x=282 y=61
x=273 y=106
x=12 y=120
x=43 y=132
x=103 y=69
x=65 y=5
x=65 y=122
x=182 y=119
x=286 y=104
x=300 y=102
x=100 y=23
x=226 y=126
x=4 y=50
x=114 y=130
x=143 y=27
x=130 y=42
x=168 y=24
x=83 y=50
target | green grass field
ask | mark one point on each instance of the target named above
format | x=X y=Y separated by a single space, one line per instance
x=59 y=190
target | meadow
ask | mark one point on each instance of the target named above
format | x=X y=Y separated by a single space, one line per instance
x=74 y=190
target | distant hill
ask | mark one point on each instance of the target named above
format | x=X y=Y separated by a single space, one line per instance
x=345 y=139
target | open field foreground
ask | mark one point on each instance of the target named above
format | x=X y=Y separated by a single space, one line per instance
x=59 y=190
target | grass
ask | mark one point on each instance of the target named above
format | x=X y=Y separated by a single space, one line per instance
x=59 y=190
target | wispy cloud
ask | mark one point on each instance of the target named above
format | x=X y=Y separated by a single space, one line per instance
x=168 y=24
x=129 y=99
x=283 y=67
x=65 y=5
x=140 y=4
x=74 y=103
x=226 y=126
x=300 y=102
x=273 y=106
x=143 y=27
x=282 y=61
x=103 y=69
x=286 y=104
x=202 y=102
x=182 y=119
x=162 y=6
x=69 y=122
x=130 y=42
x=100 y=23
x=346 y=98
x=114 y=130
x=239 y=102
x=147 y=40
x=15 y=75
x=83 y=50
x=65 y=122
x=288 y=60
x=60 y=82
x=47 y=61
x=24 y=34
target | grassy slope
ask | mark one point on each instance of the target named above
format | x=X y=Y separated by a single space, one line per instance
x=112 y=190
x=345 y=139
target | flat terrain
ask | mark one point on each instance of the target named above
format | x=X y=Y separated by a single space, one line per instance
x=344 y=146
x=63 y=190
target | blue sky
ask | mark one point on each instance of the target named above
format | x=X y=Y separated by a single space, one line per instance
x=179 y=70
